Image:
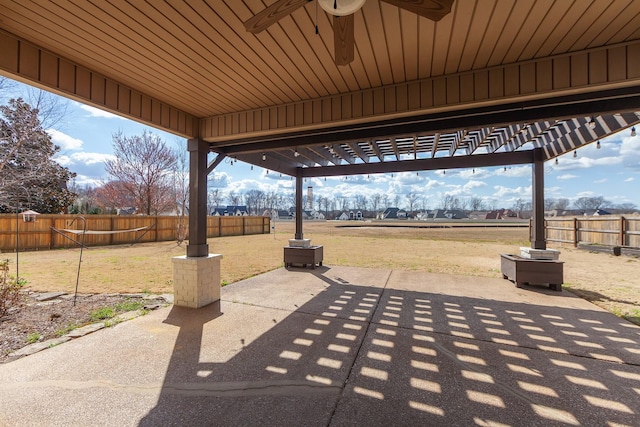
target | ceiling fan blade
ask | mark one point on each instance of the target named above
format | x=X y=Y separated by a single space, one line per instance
x=272 y=14
x=343 y=39
x=430 y=9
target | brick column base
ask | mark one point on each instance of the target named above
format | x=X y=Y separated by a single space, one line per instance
x=196 y=280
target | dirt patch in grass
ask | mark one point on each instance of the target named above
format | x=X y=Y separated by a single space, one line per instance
x=37 y=321
x=606 y=280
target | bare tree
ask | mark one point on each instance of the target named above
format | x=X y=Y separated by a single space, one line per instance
x=6 y=84
x=412 y=198
x=215 y=198
x=361 y=202
x=549 y=204
x=234 y=198
x=590 y=203
x=181 y=188
x=375 y=203
x=385 y=201
x=476 y=204
x=521 y=206
x=561 y=204
x=255 y=201
x=144 y=163
x=450 y=202
x=52 y=109
x=114 y=195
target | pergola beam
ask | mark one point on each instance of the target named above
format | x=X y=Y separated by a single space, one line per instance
x=475 y=161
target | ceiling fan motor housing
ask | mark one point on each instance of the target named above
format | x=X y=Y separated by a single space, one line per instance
x=341 y=7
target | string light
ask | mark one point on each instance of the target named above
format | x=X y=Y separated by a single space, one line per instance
x=598 y=145
x=264 y=157
x=556 y=160
x=633 y=131
x=295 y=153
x=575 y=154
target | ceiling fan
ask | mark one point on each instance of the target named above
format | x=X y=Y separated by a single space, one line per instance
x=343 y=22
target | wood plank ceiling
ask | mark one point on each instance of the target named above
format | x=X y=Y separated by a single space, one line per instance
x=197 y=57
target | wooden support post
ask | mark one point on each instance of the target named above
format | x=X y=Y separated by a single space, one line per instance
x=623 y=230
x=538 y=241
x=299 y=234
x=575 y=232
x=198 y=150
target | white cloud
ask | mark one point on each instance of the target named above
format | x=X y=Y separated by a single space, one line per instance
x=630 y=179
x=502 y=192
x=96 y=112
x=473 y=184
x=515 y=172
x=583 y=162
x=630 y=152
x=587 y=193
x=84 y=180
x=83 y=158
x=600 y=181
x=91 y=158
x=566 y=176
x=64 y=141
x=472 y=173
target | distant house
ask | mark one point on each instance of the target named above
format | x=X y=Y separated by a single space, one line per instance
x=278 y=214
x=343 y=217
x=310 y=214
x=126 y=211
x=230 y=210
x=449 y=214
x=393 y=213
x=422 y=215
x=501 y=214
x=356 y=216
x=596 y=212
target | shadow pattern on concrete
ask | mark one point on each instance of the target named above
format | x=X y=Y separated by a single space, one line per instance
x=354 y=354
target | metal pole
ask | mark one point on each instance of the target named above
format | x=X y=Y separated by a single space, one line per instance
x=538 y=239
x=17 y=243
x=84 y=232
x=299 y=178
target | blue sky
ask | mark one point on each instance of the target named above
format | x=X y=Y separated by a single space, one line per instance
x=85 y=138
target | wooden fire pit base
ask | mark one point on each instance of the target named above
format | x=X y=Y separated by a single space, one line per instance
x=524 y=271
x=311 y=256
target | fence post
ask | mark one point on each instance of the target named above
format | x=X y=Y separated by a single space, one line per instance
x=575 y=232
x=51 y=225
x=623 y=230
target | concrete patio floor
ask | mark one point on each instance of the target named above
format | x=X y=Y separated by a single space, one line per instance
x=343 y=346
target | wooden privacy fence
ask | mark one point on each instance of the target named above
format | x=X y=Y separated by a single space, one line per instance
x=39 y=235
x=609 y=231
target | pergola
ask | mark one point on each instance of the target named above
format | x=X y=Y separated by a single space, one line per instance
x=493 y=82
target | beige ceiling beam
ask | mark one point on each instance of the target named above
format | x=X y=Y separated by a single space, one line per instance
x=25 y=62
x=580 y=72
